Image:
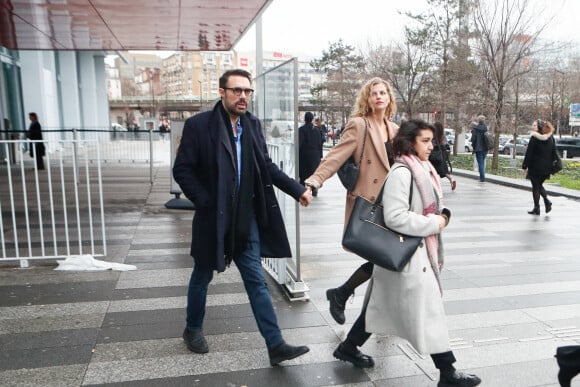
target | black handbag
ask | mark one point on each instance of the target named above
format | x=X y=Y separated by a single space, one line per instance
x=367 y=236
x=556 y=160
x=349 y=171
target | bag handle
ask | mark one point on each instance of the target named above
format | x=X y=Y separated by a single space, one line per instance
x=379 y=199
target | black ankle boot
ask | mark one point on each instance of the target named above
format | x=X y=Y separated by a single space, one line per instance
x=350 y=353
x=548 y=205
x=456 y=378
x=337 y=298
x=535 y=211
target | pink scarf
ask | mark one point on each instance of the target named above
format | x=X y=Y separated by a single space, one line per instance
x=432 y=198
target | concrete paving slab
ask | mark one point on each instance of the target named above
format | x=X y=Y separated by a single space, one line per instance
x=511 y=285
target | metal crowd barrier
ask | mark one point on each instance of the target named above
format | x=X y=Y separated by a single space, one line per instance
x=275 y=267
x=53 y=213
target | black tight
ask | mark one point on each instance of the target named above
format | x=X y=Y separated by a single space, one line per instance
x=538 y=189
x=361 y=275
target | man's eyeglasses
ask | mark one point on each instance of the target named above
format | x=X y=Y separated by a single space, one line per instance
x=238 y=91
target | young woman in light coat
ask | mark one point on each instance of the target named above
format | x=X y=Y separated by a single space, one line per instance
x=408 y=304
x=374 y=107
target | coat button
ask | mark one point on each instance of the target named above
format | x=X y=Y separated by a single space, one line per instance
x=375 y=181
x=424 y=269
x=368 y=161
x=421 y=244
x=372 y=198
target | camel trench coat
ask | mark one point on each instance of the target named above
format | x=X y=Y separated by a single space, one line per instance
x=408 y=304
x=374 y=165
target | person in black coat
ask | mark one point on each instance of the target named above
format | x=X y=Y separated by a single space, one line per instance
x=538 y=162
x=309 y=149
x=35 y=133
x=439 y=156
x=479 y=145
x=223 y=167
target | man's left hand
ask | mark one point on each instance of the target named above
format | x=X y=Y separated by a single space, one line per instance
x=306 y=197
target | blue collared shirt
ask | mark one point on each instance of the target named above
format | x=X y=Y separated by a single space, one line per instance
x=238 y=141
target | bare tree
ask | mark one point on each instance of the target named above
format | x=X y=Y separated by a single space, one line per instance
x=507 y=31
x=406 y=66
x=343 y=70
x=441 y=23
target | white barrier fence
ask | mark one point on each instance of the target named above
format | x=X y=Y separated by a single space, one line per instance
x=53 y=213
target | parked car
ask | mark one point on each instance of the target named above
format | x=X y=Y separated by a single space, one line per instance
x=521 y=146
x=569 y=144
x=468 y=146
x=502 y=140
x=115 y=127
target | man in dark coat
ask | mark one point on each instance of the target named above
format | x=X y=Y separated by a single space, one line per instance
x=35 y=133
x=223 y=167
x=479 y=145
x=309 y=149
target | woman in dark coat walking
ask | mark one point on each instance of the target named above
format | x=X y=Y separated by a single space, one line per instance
x=309 y=149
x=538 y=162
x=37 y=147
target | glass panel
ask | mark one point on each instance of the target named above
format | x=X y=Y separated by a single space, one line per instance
x=274 y=104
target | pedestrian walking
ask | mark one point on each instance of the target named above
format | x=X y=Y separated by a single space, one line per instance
x=409 y=303
x=538 y=162
x=223 y=167
x=367 y=137
x=309 y=149
x=479 y=145
x=37 y=149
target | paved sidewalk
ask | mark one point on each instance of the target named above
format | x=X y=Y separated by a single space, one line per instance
x=511 y=290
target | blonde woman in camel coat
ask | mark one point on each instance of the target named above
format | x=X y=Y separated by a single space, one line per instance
x=374 y=107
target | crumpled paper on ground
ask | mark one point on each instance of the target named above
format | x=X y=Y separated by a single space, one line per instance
x=87 y=262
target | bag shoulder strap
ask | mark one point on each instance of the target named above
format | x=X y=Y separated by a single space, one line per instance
x=379 y=199
x=364 y=143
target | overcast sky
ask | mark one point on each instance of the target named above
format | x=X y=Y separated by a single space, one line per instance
x=308 y=26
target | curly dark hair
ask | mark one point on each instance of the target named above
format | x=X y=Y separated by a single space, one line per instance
x=404 y=141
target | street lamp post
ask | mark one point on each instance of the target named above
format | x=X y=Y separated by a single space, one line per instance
x=151 y=73
x=200 y=95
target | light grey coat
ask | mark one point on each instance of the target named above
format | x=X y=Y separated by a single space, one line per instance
x=408 y=304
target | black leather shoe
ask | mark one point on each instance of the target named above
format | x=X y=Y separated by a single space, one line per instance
x=535 y=211
x=548 y=206
x=457 y=378
x=195 y=341
x=358 y=359
x=286 y=352
x=337 y=305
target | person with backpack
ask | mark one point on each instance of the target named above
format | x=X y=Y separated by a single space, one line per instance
x=479 y=144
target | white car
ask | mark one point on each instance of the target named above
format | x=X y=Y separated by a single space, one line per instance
x=117 y=127
x=468 y=146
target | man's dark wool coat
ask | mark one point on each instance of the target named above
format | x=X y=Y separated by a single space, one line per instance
x=205 y=169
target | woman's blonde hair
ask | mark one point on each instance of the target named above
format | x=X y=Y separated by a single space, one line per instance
x=362 y=108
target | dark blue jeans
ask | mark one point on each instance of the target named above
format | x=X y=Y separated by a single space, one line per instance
x=250 y=266
x=480 y=157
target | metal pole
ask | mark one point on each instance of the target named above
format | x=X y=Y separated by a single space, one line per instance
x=151 y=156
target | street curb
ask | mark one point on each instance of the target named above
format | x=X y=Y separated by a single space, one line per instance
x=523 y=184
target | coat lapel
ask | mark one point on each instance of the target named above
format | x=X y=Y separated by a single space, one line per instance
x=221 y=135
x=379 y=145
